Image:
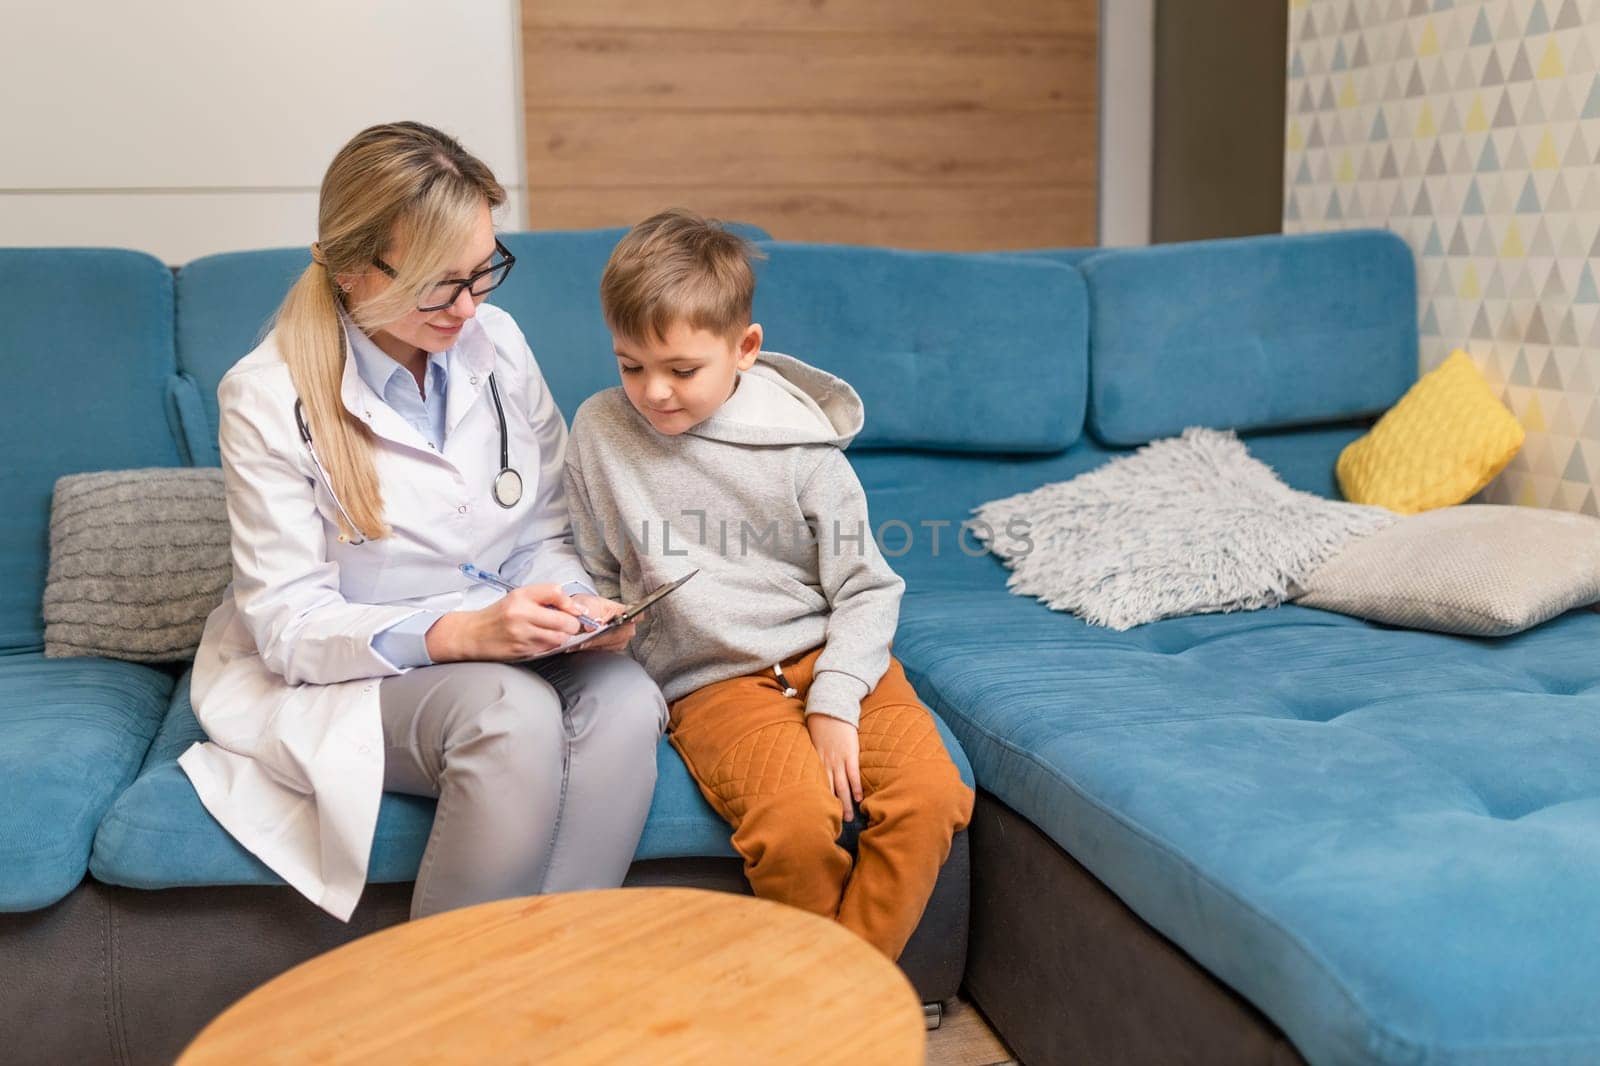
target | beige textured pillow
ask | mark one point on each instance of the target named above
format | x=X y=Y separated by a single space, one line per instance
x=138 y=558
x=1478 y=570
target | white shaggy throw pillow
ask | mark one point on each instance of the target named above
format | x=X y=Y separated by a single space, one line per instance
x=1187 y=525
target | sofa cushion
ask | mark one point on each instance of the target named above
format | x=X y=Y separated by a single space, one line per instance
x=225 y=307
x=919 y=500
x=1480 y=570
x=226 y=304
x=1250 y=333
x=72 y=734
x=1388 y=841
x=1187 y=525
x=138 y=561
x=1447 y=438
x=948 y=351
x=1069 y=256
x=157 y=834
x=87 y=346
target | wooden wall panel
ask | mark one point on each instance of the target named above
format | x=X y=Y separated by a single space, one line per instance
x=755 y=148
x=960 y=217
x=868 y=73
x=914 y=123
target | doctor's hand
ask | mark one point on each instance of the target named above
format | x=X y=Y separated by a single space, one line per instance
x=521 y=624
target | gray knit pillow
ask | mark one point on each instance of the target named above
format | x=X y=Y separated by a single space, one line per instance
x=1482 y=570
x=138 y=558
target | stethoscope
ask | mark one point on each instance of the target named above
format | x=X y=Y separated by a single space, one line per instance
x=506 y=487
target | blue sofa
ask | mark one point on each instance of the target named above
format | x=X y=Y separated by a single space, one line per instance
x=1386 y=842
x=116 y=362
x=1257 y=837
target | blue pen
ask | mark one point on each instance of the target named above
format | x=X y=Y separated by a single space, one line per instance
x=494 y=580
x=487 y=577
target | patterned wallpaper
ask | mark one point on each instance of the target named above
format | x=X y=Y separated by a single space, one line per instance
x=1472 y=129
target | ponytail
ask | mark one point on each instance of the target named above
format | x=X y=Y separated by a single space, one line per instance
x=311 y=338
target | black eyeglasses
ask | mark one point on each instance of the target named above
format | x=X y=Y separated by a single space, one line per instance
x=441 y=295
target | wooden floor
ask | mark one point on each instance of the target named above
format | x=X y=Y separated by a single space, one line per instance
x=965 y=1039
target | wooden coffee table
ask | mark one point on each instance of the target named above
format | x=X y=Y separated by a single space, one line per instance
x=652 y=975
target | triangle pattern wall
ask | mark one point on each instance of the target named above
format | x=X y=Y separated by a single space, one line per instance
x=1472 y=129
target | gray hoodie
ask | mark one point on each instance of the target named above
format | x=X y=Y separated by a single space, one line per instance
x=739 y=496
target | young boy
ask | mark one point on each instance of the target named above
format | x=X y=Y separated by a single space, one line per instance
x=786 y=705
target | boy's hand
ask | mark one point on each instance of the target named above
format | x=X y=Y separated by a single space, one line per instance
x=839 y=747
x=604 y=610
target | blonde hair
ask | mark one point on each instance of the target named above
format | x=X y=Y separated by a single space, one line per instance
x=398 y=182
x=678 y=267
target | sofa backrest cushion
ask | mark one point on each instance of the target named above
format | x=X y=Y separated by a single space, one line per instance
x=1068 y=256
x=948 y=351
x=225 y=307
x=86 y=341
x=1249 y=333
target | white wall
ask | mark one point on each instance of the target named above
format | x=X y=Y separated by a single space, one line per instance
x=185 y=127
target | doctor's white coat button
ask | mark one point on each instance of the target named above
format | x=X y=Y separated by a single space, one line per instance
x=462 y=509
x=473 y=379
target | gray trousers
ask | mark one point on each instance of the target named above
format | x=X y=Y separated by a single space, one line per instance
x=543 y=772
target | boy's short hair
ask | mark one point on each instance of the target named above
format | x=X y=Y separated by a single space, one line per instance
x=678 y=267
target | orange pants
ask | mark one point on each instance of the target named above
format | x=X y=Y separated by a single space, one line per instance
x=747 y=746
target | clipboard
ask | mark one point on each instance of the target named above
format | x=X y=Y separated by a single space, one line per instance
x=629 y=613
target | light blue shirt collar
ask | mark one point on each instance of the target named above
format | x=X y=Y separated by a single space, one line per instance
x=394 y=383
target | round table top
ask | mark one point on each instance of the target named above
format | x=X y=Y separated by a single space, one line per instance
x=636 y=974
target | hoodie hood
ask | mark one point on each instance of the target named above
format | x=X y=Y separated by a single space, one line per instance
x=781 y=401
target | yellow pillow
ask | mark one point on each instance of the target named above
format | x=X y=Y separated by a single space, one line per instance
x=1447 y=438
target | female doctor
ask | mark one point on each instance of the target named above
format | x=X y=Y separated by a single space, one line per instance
x=390 y=428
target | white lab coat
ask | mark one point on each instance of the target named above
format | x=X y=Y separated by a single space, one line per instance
x=286 y=680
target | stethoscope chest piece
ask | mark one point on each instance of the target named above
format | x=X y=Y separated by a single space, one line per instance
x=507 y=488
